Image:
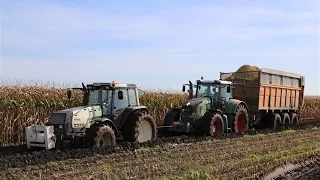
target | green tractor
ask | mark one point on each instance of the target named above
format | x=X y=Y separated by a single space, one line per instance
x=211 y=111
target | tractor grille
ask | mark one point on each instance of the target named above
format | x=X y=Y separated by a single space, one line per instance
x=187 y=114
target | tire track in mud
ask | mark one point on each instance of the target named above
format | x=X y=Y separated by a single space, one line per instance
x=20 y=156
x=307 y=170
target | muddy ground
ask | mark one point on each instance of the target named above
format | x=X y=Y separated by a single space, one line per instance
x=247 y=156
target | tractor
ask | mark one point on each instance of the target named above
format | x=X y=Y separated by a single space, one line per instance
x=211 y=111
x=109 y=112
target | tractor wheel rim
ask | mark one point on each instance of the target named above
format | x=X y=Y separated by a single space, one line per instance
x=145 y=131
x=241 y=123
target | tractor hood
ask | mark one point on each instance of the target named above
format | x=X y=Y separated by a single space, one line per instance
x=76 y=117
x=192 y=103
x=195 y=108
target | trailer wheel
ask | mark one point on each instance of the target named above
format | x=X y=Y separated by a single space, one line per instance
x=139 y=127
x=294 y=118
x=105 y=137
x=285 y=118
x=277 y=123
x=241 y=119
x=216 y=125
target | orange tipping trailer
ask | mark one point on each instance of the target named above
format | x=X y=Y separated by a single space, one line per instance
x=274 y=97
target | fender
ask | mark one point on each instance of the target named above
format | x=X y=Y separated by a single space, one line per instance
x=231 y=108
x=233 y=104
x=108 y=122
x=126 y=113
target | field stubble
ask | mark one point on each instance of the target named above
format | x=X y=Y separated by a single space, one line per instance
x=246 y=157
x=23 y=106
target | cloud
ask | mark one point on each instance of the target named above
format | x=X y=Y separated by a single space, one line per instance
x=58 y=40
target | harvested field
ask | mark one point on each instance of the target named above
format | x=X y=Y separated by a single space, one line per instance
x=248 y=157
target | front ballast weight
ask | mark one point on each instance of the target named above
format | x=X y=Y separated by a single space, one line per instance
x=40 y=136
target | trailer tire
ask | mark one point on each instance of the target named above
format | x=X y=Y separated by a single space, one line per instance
x=241 y=119
x=139 y=127
x=285 y=118
x=294 y=118
x=277 y=123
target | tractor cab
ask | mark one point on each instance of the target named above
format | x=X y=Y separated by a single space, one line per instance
x=112 y=97
x=218 y=91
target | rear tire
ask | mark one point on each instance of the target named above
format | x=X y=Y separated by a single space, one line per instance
x=241 y=119
x=139 y=127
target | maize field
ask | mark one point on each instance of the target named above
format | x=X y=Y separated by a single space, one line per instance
x=23 y=106
x=167 y=158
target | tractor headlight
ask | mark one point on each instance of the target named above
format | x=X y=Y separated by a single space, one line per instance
x=60 y=126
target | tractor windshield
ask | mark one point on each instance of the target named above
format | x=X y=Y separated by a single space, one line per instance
x=99 y=96
x=211 y=90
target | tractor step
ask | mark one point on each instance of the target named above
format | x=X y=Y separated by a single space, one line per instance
x=40 y=136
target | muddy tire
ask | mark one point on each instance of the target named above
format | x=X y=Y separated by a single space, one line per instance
x=105 y=137
x=241 y=119
x=139 y=127
x=294 y=118
x=100 y=136
x=216 y=125
x=285 y=119
x=212 y=124
x=277 y=122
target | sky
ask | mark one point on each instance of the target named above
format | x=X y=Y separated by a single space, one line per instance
x=159 y=44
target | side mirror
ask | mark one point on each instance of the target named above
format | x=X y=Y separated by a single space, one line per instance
x=69 y=93
x=183 y=88
x=140 y=93
x=228 y=89
x=120 y=95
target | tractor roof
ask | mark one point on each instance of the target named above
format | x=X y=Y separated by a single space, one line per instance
x=110 y=84
x=214 y=82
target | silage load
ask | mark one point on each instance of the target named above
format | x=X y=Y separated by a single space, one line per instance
x=245 y=72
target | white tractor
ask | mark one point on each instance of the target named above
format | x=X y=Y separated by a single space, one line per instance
x=109 y=112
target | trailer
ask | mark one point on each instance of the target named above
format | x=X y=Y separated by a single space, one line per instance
x=274 y=98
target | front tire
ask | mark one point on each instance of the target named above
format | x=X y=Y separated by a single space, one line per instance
x=100 y=136
x=216 y=125
x=139 y=127
x=212 y=124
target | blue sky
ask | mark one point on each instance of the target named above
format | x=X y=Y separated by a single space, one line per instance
x=157 y=44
